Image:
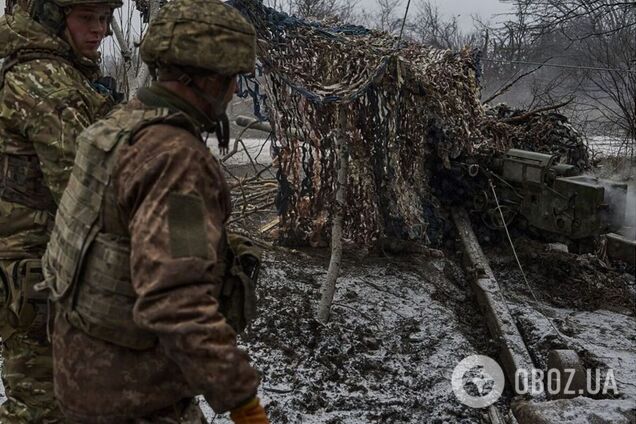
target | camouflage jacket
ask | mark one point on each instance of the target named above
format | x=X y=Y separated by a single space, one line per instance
x=46 y=100
x=174 y=248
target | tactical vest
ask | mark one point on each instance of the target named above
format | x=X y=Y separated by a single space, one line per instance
x=21 y=178
x=87 y=270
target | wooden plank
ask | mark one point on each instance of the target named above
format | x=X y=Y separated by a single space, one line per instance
x=513 y=353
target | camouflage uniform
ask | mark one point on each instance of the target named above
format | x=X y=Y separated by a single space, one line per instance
x=135 y=266
x=164 y=336
x=46 y=99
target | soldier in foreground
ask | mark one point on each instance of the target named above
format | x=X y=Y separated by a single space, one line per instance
x=50 y=51
x=135 y=265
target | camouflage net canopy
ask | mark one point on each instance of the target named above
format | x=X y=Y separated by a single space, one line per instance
x=400 y=111
x=549 y=133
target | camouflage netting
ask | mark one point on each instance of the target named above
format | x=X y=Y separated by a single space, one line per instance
x=549 y=133
x=400 y=112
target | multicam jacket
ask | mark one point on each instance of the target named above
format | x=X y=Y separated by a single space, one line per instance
x=133 y=270
x=46 y=100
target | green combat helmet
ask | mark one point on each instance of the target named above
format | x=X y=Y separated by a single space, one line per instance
x=50 y=13
x=203 y=34
x=199 y=37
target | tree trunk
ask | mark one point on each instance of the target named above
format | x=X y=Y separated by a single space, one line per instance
x=121 y=40
x=144 y=72
x=329 y=286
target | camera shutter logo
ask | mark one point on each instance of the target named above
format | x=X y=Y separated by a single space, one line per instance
x=478 y=381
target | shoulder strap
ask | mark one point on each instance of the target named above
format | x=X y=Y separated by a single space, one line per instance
x=175 y=119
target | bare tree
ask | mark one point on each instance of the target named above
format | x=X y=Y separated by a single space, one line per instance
x=562 y=13
x=592 y=44
x=386 y=18
x=121 y=55
x=328 y=288
x=316 y=9
x=280 y=5
x=613 y=92
x=430 y=28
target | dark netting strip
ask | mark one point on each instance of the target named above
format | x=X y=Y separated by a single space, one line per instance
x=405 y=110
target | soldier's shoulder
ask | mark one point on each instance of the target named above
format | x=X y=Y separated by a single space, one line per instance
x=119 y=122
x=46 y=79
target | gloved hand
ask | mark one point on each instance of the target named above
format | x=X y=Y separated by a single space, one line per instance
x=250 y=413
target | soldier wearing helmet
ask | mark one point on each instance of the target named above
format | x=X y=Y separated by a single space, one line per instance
x=137 y=263
x=47 y=97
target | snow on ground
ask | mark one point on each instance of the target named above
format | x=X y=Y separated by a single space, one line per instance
x=398 y=328
x=590 y=303
x=605 y=340
x=258 y=149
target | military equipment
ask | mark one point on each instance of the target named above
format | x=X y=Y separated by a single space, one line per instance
x=108 y=86
x=20 y=280
x=50 y=13
x=207 y=35
x=538 y=192
x=554 y=198
x=238 y=296
x=92 y=287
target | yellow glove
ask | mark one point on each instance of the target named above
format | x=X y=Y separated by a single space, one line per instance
x=250 y=413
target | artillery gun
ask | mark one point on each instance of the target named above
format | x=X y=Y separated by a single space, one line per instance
x=533 y=192
x=550 y=196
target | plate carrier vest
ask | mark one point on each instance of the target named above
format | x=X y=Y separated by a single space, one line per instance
x=87 y=270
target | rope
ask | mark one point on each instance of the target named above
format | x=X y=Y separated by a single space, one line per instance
x=587 y=68
x=523 y=274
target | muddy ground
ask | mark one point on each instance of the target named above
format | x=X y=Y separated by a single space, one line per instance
x=398 y=327
x=572 y=301
x=401 y=323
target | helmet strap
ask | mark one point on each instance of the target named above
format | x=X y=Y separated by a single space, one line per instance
x=219 y=115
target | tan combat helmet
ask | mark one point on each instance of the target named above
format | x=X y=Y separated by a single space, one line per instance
x=206 y=35
x=50 y=13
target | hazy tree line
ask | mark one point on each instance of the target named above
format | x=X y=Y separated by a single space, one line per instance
x=596 y=39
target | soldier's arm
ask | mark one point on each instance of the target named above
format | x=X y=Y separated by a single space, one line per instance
x=176 y=201
x=53 y=126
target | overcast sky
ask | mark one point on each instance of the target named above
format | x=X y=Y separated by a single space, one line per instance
x=464 y=9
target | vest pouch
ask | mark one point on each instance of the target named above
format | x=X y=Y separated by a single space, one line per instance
x=238 y=296
x=22 y=297
x=103 y=301
x=22 y=182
